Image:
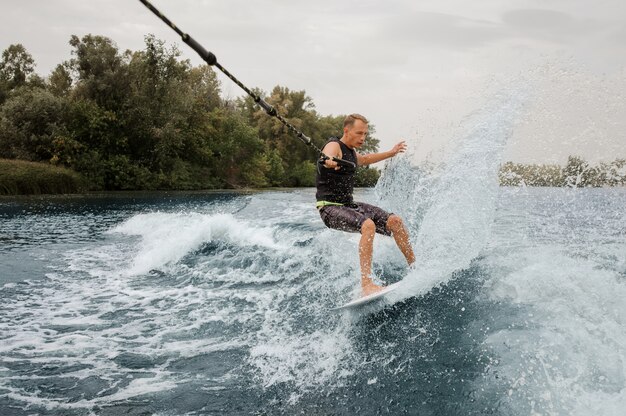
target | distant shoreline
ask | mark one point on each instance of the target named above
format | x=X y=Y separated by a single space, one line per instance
x=28 y=179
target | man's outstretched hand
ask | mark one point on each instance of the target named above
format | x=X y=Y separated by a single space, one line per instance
x=399 y=148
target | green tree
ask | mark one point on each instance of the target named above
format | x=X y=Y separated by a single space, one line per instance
x=615 y=172
x=96 y=128
x=276 y=171
x=299 y=110
x=303 y=174
x=60 y=81
x=574 y=173
x=509 y=175
x=101 y=75
x=167 y=107
x=518 y=174
x=30 y=123
x=366 y=177
x=16 y=66
x=237 y=150
x=149 y=120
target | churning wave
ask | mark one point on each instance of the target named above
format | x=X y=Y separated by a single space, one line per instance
x=450 y=207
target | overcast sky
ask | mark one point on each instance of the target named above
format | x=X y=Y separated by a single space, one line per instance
x=414 y=68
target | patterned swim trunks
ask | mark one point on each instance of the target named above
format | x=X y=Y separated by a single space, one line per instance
x=351 y=217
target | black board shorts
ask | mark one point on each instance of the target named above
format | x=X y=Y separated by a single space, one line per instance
x=351 y=217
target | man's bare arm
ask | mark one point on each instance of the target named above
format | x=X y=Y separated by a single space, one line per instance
x=377 y=157
x=331 y=150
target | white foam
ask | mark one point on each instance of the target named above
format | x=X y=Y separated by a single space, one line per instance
x=305 y=349
x=168 y=237
x=136 y=388
x=307 y=360
x=156 y=321
x=452 y=206
x=569 y=358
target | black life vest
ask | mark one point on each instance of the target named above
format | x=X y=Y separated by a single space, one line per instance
x=336 y=185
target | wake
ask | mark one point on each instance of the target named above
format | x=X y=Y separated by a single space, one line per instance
x=449 y=208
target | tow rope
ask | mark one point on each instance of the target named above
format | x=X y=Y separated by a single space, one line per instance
x=210 y=59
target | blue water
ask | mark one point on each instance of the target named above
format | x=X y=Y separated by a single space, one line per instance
x=220 y=303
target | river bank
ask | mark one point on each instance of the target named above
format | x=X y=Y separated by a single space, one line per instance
x=19 y=177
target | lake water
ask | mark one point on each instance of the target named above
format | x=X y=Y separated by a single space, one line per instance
x=219 y=304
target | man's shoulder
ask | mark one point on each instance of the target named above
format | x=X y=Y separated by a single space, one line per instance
x=333 y=141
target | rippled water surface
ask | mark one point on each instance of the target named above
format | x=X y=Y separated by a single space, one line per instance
x=219 y=303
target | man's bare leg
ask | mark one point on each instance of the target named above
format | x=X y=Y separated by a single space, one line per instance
x=401 y=235
x=366 y=248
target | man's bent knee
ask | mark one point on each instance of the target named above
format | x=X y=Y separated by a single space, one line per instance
x=368 y=227
x=394 y=223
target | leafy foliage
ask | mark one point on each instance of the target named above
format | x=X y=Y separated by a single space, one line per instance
x=150 y=120
x=30 y=123
x=16 y=65
x=366 y=176
x=577 y=173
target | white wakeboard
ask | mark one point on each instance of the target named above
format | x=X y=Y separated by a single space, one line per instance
x=369 y=298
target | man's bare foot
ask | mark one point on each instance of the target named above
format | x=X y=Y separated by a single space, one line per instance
x=368 y=287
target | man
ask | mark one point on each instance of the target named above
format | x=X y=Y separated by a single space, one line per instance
x=339 y=211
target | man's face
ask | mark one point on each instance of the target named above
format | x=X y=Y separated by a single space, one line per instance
x=356 y=133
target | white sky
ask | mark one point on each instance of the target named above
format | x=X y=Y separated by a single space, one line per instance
x=414 y=68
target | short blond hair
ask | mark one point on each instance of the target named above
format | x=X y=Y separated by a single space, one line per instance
x=349 y=120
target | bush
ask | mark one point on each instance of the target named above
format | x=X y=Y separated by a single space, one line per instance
x=303 y=174
x=23 y=178
x=366 y=177
x=30 y=122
